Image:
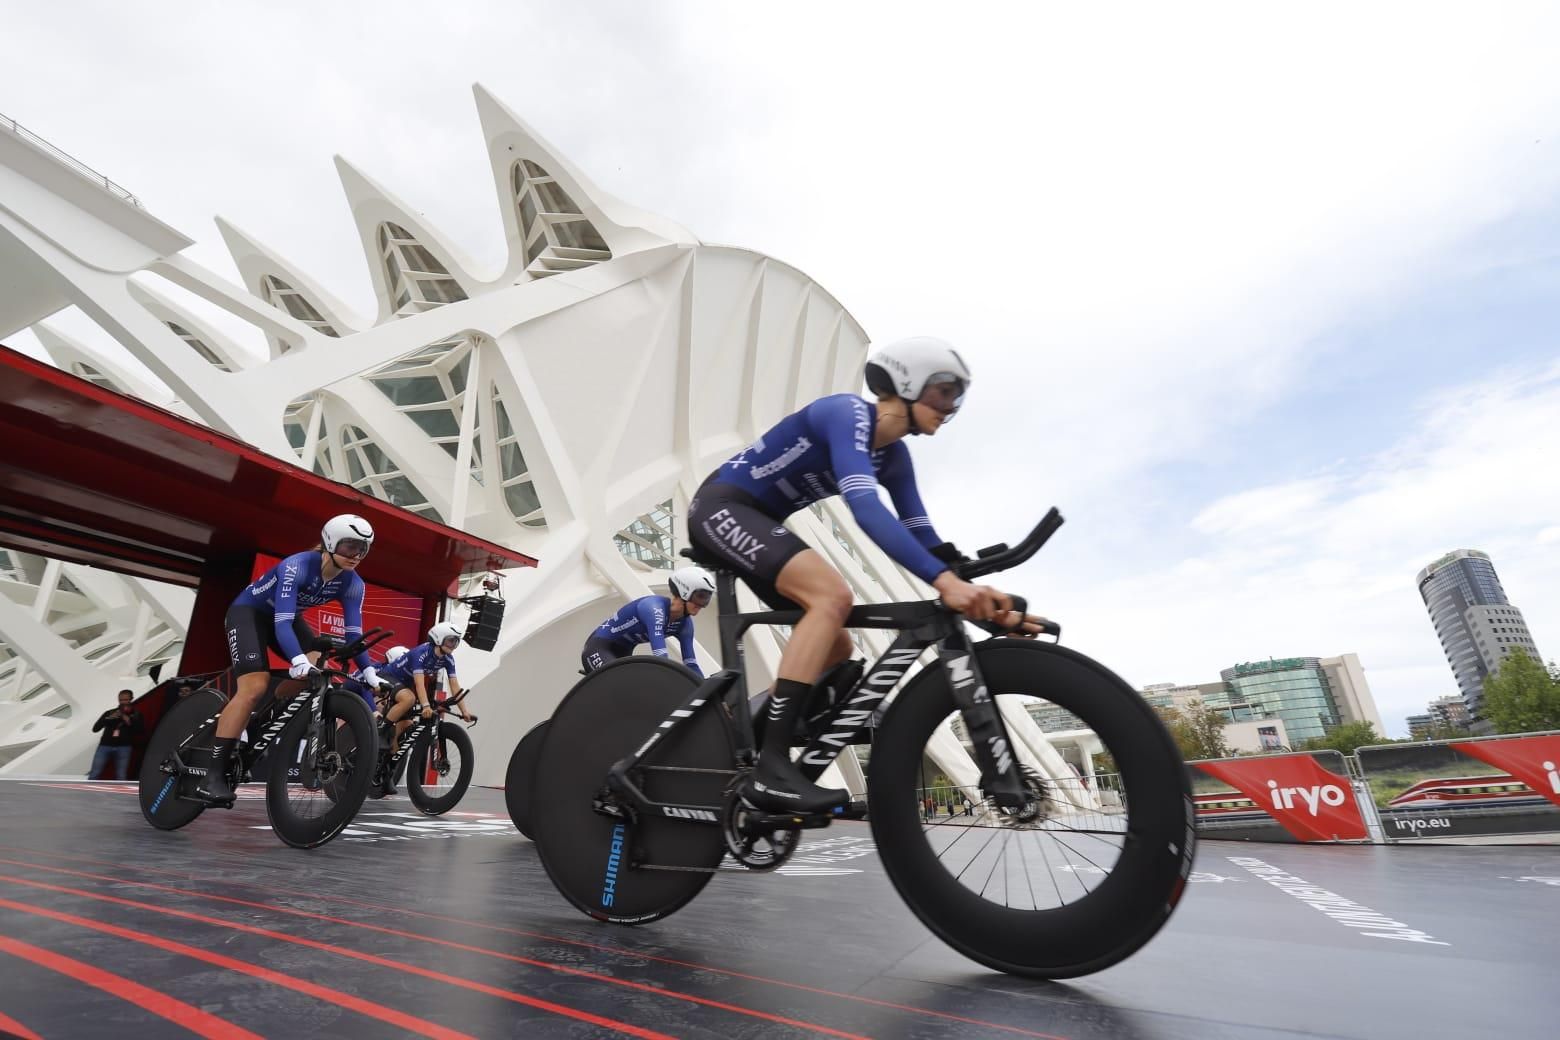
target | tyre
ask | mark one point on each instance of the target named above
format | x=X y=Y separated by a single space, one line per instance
x=520 y=777
x=1066 y=890
x=608 y=867
x=307 y=808
x=440 y=768
x=187 y=728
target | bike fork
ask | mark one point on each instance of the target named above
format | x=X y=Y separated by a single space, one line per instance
x=999 y=773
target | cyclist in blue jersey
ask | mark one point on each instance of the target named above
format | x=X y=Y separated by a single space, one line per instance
x=650 y=619
x=413 y=677
x=267 y=614
x=848 y=446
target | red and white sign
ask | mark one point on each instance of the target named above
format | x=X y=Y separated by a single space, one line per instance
x=400 y=612
x=1533 y=760
x=1309 y=802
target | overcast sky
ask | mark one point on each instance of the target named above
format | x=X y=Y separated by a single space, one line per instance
x=1265 y=303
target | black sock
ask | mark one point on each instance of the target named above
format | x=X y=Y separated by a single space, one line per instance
x=785 y=704
x=222 y=750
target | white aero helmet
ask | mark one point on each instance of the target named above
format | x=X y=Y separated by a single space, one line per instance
x=906 y=367
x=347 y=528
x=688 y=582
x=442 y=633
x=395 y=653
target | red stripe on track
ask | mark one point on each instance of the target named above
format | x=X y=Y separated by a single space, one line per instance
x=399 y=966
x=396 y=1018
x=160 y=1004
x=12 y=1027
x=618 y=951
x=565 y=969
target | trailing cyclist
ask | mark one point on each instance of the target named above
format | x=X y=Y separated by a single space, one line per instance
x=413 y=677
x=841 y=445
x=268 y=614
x=650 y=619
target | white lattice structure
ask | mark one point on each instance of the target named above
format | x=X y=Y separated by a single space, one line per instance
x=547 y=406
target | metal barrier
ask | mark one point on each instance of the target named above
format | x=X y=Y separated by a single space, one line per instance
x=65 y=159
x=1481 y=786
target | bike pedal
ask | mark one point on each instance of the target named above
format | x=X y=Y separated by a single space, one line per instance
x=855 y=810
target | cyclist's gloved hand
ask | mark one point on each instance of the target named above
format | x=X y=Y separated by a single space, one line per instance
x=471 y=720
x=949 y=553
x=427 y=711
x=300 y=667
x=385 y=688
x=369 y=676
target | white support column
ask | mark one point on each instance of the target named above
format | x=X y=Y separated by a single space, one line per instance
x=460 y=485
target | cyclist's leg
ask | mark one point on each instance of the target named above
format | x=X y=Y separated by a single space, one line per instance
x=249 y=632
x=786 y=573
x=598 y=652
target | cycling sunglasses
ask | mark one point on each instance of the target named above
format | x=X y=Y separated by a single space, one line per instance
x=352 y=547
x=700 y=598
x=451 y=643
x=944 y=391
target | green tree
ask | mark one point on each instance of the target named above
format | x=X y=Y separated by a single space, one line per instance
x=1198 y=730
x=1344 y=738
x=1522 y=696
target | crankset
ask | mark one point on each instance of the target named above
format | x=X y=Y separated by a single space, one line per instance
x=756 y=839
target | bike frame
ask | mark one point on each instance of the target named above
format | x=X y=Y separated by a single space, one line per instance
x=920 y=624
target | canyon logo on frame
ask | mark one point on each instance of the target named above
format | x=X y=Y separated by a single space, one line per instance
x=1311 y=803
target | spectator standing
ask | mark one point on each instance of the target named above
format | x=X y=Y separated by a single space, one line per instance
x=120 y=726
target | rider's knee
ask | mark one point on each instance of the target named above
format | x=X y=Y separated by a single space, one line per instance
x=833 y=601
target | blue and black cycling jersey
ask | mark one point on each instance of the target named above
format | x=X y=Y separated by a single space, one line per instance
x=294 y=584
x=644 y=620
x=423 y=658
x=824 y=450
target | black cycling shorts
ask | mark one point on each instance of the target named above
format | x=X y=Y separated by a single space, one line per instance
x=600 y=651
x=250 y=630
x=726 y=522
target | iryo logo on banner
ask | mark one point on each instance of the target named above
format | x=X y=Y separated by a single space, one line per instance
x=1309 y=802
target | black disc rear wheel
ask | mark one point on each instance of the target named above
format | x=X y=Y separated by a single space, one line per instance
x=615 y=869
x=187 y=729
x=1078 y=880
x=310 y=807
x=440 y=768
x=520 y=777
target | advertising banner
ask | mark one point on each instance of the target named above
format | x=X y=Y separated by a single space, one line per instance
x=1445 y=789
x=1308 y=800
x=400 y=612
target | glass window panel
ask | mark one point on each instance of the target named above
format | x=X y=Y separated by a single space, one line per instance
x=442 y=290
x=410 y=390
x=296 y=435
x=375 y=457
x=457 y=372
x=418 y=258
x=533 y=170
x=436 y=422
x=355 y=469
x=534 y=250
x=511 y=461
x=554 y=199
x=505 y=431
x=521 y=498
x=402 y=492
x=579 y=234
x=527 y=214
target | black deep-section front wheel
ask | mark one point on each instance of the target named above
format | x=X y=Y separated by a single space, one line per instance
x=310 y=807
x=520 y=777
x=1071 y=888
x=440 y=769
x=188 y=728
x=617 y=869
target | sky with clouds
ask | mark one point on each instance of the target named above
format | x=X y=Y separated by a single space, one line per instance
x=1263 y=300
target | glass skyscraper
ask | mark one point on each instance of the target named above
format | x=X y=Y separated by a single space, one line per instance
x=1478 y=627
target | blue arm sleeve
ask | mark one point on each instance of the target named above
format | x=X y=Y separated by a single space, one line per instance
x=352 y=617
x=846 y=426
x=289 y=575
x=898 y=476
x=690 y=655
x=653 y=616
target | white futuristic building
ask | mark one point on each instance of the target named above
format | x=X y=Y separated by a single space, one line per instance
x=566 y=406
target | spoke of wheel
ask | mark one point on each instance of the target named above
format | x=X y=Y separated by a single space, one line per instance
x=995 y=862
x=1050 y=872
x=971 y=863
x=1080 y=855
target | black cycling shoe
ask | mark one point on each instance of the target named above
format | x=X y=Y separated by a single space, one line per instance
x=782 y=788
x=387 y=783
x=213 y=788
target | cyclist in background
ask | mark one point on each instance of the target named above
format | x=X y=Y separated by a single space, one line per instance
x=267 y=614
x=848 y=446
x=413 y=678
x=650 y=619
